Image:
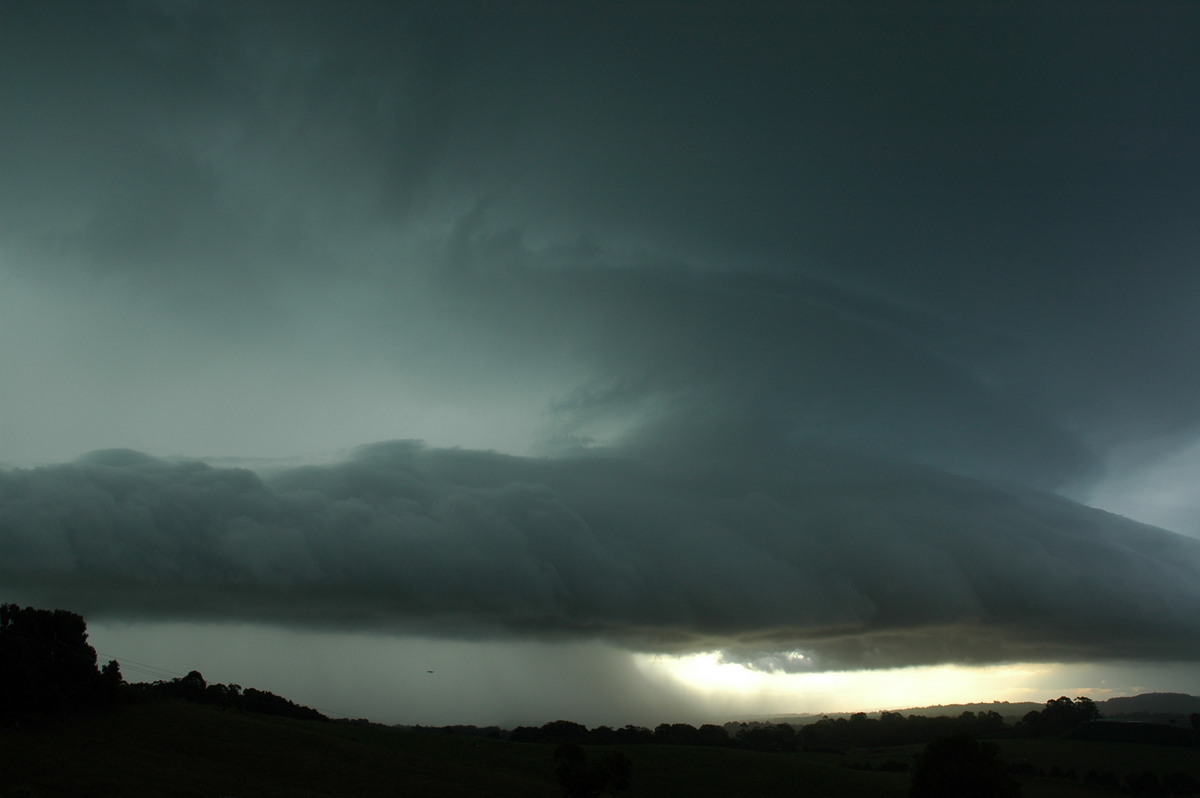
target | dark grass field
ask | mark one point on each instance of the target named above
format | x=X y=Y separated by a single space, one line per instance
x=174 y=748
x=1120 y=759
x=180 y=749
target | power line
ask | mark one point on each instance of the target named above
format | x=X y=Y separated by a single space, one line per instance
x=139 y=667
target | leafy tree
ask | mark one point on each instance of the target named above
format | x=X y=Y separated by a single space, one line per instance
x=893 y=728
x=769 y=737
x=111 y=682
x=563 y=731
x=1059 y=715
x=603 y=735
x=223 y=695
x=46 y=664
x=676 y=734
x=712 y=735
x=192 y=686
x=267 y=703
x=990 y=722
x=526 y=734
x=957 y=766
x=634 y=735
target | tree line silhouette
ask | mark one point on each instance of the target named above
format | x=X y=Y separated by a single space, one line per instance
x=753 y=736
x=48 y=670
x=1059 y=716
x=232 y=696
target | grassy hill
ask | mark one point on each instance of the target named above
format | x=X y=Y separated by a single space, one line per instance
x=183 y=749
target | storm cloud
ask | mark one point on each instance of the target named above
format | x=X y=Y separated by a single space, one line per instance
x=857 y=563
x=812 y=334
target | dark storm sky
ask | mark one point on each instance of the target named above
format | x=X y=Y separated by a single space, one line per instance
x=766 y=327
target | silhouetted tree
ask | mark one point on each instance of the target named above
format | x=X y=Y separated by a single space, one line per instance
x=770 y=737
x=712 y=735
x=602 y=735
x=111 y=683
x=223 y=695
x=526 y=734
x=957 y=766
x=634 y=735
x=46 y=664
x=1058 y=716
x=892 y=728
x=267 y=703
x=676 y=734
x=563 y=731
x=990 y=722
x=191 y=687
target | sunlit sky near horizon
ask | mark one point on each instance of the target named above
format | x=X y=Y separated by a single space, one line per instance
x=624 y=362
x=473 y=682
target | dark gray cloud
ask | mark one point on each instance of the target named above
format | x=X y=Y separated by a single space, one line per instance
x=801 y=309
x=1017 y=183
x=854 y=562
x=739 y=362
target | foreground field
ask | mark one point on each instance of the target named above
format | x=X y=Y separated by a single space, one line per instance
x=181 y=749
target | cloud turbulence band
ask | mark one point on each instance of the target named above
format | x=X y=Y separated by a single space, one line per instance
x=857 y=563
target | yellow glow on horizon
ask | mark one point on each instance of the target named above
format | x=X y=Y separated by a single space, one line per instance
x=734 y=686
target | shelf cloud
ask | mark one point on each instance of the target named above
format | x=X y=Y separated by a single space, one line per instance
x=858 y=563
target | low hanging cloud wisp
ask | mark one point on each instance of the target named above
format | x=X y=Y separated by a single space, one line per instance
x=856 y=563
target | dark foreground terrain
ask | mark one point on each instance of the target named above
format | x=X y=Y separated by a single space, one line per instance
x=179 y=748
x=182 y=749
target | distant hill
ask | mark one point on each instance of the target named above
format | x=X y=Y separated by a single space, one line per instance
x=1011 y=712
x=1148 y=707
x=1173 y=709
x=1151 y=703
